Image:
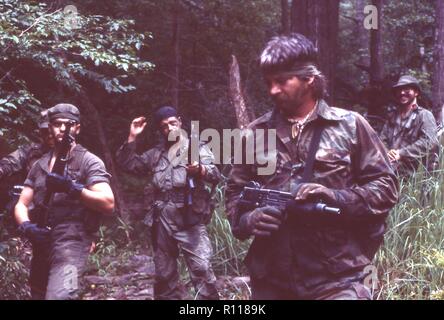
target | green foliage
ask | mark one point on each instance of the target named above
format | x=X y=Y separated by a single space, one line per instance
x=18 y=109
x=34 y=37
x=13 y=272
x=117 y=241
x=210 y=32
x=14 y=258
x=416 y=23
x=407 y=26
x=410 y=264
x=109 y=51
x=229 y=252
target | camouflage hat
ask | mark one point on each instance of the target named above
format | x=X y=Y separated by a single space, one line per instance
x=407 y=81
x=44 y=120
x=64 y=110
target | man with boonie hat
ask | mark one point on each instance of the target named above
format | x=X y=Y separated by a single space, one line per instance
x=410 y=133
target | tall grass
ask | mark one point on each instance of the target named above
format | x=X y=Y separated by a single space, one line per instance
x=228 y=251
x=411 y=261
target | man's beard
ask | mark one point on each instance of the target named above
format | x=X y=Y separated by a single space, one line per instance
x=289 y=106
x=408 y=100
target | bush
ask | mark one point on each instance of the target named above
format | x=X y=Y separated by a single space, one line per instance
x=14 y=256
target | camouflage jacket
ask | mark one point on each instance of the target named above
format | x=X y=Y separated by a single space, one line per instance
x=416 y=138
x=21 y=160
x=352 y=161
x=170 y=180
x=15 y=166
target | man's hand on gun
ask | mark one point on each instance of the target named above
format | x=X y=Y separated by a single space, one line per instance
x=266 y=209
x=59 y=183
x=263 y=221
x=314 y=190
x=195 y=169
x=34 y=233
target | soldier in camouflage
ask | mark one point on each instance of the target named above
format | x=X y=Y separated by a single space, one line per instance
x=176 y=222
x=312 y=257
x=61 y=244
x=411 y=133
x=17 y=164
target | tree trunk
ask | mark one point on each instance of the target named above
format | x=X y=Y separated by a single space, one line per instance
x=376 y=69
x=176 y=58
x=92 y=112
x=285 y=22
x=300 y=15
x=236 y=96
x=362 y=33
x=319 y=21
x=438 y=74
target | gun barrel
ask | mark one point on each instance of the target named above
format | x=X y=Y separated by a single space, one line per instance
x=254 y=196
x=191 y=184
x=327 y=209
x=310 y=208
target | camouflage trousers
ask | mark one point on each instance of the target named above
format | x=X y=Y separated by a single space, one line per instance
x=197 y=251
x=263 y=290
x=56 y=269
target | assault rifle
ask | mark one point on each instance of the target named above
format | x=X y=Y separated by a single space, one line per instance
x=190 y=218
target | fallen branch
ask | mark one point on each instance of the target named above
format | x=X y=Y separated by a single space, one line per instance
x=236 y=96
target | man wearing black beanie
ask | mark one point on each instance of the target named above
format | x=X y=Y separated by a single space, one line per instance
x=177 y=221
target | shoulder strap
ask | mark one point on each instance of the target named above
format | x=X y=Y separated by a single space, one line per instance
x=307 y=176
x=79 y=153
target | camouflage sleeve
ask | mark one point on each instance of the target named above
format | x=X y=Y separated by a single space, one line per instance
x=14 y=162
x=375 y=190
x=212 y=174
x=427 y=141
x=131 y=162
x=384 y=135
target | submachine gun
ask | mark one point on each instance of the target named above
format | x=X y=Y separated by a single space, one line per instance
x=253 y=196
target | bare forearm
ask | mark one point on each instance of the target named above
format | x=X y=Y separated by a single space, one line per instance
x=98 y=200
x=21 y=213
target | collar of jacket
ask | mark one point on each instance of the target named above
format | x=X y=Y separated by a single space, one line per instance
x=44 y=160
x=322 y=110
x=412 y=115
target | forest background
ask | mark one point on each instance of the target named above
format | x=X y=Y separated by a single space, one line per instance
x=118 y=59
